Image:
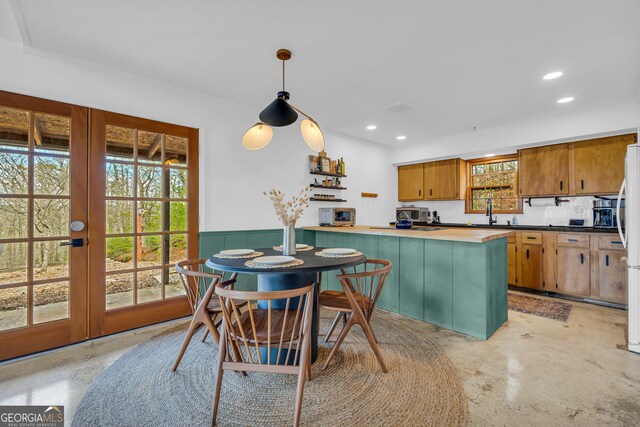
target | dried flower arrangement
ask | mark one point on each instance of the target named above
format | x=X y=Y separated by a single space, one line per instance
x=290 y=211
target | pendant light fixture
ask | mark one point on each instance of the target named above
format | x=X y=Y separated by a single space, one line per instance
x=282 y=113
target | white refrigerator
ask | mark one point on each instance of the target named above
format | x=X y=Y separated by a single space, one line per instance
x=631 y=239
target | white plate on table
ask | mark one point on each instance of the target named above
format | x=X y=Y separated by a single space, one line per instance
x=273 y=260
x=237 y=252
x=298 y=246
x=339 y=251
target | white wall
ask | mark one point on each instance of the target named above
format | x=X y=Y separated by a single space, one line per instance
x=608 y=120
x=231 y=178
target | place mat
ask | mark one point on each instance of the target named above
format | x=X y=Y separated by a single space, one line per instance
x=279 y=248
x=294 y=263
x=251 y=255
x=355 y=254
x=555 y=310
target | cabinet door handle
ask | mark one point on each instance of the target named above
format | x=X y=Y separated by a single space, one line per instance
x=582 y=184
x=430 y=192
x=527 y=253
x=573 y=240
x=581 y=258
x=615 y=242
x=531 y=238
x=420 y=193
x=560 y=184
x=606 y=260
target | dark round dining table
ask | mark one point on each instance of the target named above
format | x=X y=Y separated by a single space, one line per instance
x=274 y=279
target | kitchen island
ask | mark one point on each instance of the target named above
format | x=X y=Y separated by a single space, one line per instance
x=453 y=278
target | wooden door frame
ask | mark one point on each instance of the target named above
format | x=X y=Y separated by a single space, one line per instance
x=102 y=322
x=62 y=332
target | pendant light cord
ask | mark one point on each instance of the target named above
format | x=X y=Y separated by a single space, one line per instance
x=283 y=61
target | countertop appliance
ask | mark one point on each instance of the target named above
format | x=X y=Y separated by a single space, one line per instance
x=631 y=239
x=337 y=217
x=413 y=213
x=605 y=213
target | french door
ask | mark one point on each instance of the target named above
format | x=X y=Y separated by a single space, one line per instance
x=43 y=189
x=95 y=209
x=143 y=209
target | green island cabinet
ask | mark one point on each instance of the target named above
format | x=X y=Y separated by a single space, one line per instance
x=456 y=285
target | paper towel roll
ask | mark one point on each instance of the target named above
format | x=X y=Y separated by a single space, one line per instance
x=546 y=201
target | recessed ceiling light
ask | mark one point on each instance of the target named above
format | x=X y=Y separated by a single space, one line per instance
x=401 y=137
x=565 y=100
x=372 y=127
x=552 y=76
x=489 y=155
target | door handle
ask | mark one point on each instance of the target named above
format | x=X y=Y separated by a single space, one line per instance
x=581 y=258
x=74 y=243
x=561 y=184
x=431 y=192
x=582 y=184
x=527 y=253
x=606 y=260
x=420 y=193
x=573 y=240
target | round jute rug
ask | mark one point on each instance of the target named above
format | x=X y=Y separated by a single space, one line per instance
x=420 y=389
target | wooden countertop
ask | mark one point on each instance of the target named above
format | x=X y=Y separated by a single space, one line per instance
x=452 y=234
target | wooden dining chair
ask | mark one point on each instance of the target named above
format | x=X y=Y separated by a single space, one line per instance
x=273 y=333
x=199 y=286
x=356 y=303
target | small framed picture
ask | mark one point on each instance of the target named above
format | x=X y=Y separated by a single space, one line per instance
x=326 y=165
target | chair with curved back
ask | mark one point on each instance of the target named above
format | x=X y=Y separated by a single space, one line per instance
x=273 y=333
x=356 y=303
x=204 y=307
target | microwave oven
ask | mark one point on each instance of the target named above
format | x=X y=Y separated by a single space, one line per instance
x=337 y=217
x=413 y=213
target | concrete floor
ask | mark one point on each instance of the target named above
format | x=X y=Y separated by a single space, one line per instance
x=533 y=371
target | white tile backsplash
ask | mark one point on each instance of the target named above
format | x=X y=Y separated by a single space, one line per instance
x=576 y=207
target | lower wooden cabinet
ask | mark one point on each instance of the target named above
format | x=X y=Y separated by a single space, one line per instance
x=531 y=259
x=574 y=271
x=612 y=276
x=575 y=264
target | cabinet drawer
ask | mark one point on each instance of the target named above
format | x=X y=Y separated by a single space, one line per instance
x=531 y=238
x=610 y=242
x=578 y=240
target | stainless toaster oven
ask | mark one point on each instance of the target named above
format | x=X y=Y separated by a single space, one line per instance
x=337 y=217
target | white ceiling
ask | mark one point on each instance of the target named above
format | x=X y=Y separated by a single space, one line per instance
x=459 y=64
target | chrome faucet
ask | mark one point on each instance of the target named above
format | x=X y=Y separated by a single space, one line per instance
x=490 y=212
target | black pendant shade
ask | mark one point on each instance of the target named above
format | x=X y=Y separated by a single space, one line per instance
x=279 y=113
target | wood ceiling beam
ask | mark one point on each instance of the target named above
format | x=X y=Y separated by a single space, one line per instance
x=154 y=146
x=37 y=135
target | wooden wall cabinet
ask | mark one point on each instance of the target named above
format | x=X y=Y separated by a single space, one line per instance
x=410 y=182
x=441 y=180
x=445 y=180
x=598 y=164
x=594 y=166
x=544 y=171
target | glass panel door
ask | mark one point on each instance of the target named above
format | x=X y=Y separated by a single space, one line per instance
x=144 y=210
x=43 y=187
